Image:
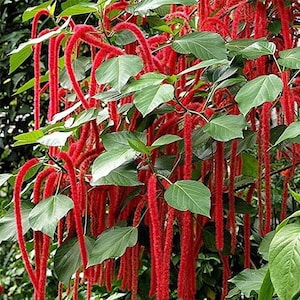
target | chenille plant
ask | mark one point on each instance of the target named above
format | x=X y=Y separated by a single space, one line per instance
x=165 y=124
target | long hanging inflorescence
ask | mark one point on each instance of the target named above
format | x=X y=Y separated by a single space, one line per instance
x=171 y=233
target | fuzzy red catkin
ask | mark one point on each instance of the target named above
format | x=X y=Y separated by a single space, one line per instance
x=247 y=228
x=80 y=31
x=167 y=253
x=285 y=192
x=219 y=169
x=149 y=63
x=18 y=218
x=77 y=212
x=231 y=211
x=226 y=275
x=37 y=92
x=155 y=230
x=35 y=21
x=267 y=164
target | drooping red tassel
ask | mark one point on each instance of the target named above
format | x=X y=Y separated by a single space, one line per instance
x=219 y=169
x=77 y=205
x=148 y=60
x=267 y=164
x=165 y=269
x=226 y=275
x=231 y=196
x=247 y=229
x=155 y=231
x=18 y=218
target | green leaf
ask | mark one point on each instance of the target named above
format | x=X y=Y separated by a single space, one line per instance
x=41 y=38
x=265 y=88
x=165 y=140
x=124 y=37
x=235 y=47
x=295 y=195
x=230 y=82
x=30 y=12
x=28 y=137
x=249 y=280
x=205 y=64
x=55 y=139
x=290 y=58
x=264 y=246
x=226 y=127
x=30 y=83
x=189 y=195
x=111 y=160
x=46 y=214
x=65 y=113
x=118 y=140
x=8 y=223
x=121 y=176
x=79 y=9
x=80 y=65
x=146 y=80
x=67 y=259
x=250 y=165
x=266 y=290
x=137 y=145
x=284 y=261
x=117 y=71
x=148 y=99
x=144 y=6
x=259 y=48
x=240 y=205
x=204 y=45
x=16 y=59
x=4 y=178
x=296 y=214
x=85 y=116
x=292 y=131
x=113 y=243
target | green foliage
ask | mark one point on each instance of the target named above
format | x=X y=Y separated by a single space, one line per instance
x=189 y=195
x=112 y=243
x=46 y=214
x=137 y=143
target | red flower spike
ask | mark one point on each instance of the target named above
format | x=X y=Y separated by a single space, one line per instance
x=18 y=218
x=219 y=172
x=149 y=63
x=77 y=212
x=247 y=229
x=155 y=231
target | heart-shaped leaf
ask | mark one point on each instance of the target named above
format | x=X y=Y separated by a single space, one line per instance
x=118 y=140
x=165 y=140
x=111 y=160
x=284 y=261
x=189 y=195
x=226 y=127
x=249 y=280
x=259 y=48
x=122 y=176
x=117 y=71
x=67 y=259
x=113 y=243
x=46 y=214
x=8 y=223
x=55 y=139
x=290 y=58
x=292 y=131
x=148 y=99
x=144 y=6
x=265 y=88
x=204 y=45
